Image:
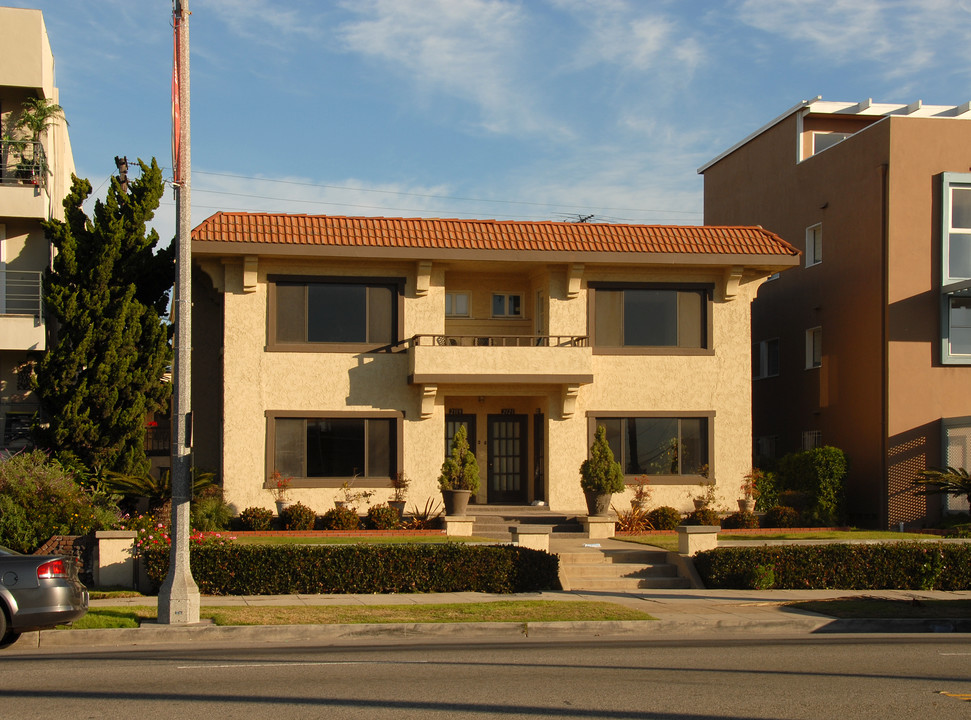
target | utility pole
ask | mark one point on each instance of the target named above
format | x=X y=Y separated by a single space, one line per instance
x=178 y=598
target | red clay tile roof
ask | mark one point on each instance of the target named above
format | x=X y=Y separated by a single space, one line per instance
x=420 y=233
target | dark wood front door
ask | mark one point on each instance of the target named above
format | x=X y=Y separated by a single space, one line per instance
x=507 y=470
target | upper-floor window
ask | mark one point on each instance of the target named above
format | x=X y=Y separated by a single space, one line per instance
x=958 y=230
x=456 y=304
x=651 y=317
x=814 y=347
x=333 y=313
x=814 y=245
x=956 y=268
x=765 y=359
x=657 y=445
x=812 y=439
x=824 y=140
x=507 y=305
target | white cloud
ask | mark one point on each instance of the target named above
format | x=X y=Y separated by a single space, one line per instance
x=266 y=22
x=472 y=50
x=907 y=35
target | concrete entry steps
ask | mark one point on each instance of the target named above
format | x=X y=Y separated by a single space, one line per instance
x=623 y=570
x=494 y=521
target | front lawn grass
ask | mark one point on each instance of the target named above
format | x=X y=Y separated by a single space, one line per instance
x=522 y=611
x=351 y=539
x=670 y=542
x=868 y=607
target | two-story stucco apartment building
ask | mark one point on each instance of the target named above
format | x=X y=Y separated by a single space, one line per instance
x=867 y=345
x=34 y=178
x=334 y=348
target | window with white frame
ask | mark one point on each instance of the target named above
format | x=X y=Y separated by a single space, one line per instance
x=814 y=245
x=812 y=439
x=765 y=359
x=456 y=304
x=824 y=140
x=814 y=347
x=956 y=269
x=507 y=305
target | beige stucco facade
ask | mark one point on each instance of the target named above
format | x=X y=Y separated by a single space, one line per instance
x=539 y=373
x=26 y=71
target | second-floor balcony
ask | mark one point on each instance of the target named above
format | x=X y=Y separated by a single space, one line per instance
x=24 y=176
x=500 y=359
x=21 y=310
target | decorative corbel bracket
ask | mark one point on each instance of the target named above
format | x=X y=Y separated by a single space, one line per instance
x=429 y=393
x=250 y=266
x=574 y=273
x=569 y=399
x=730 y=281
x=423 y=277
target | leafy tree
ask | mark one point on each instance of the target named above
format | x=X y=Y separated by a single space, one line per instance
x=108 y=290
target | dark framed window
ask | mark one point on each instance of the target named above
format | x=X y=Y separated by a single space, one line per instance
x=656 y=444
x=332 y=312
x=334 y=447
x=765 y=359
x=650 y=317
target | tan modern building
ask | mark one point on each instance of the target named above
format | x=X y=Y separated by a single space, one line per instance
x=335 y=349
x=867 y=345
x=34 y=178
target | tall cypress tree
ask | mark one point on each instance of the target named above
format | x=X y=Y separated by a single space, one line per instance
x=108 y=290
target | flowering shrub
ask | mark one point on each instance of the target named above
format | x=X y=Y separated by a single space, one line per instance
x=158 y=536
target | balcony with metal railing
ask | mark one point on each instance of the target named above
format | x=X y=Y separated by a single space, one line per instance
x=21 y=310
x=24 y=176
x=500 y=359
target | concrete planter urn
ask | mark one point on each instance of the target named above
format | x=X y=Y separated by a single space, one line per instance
x=282 y=505
x=456 y=502
x=746 y=505
x=399 y=506
x=597 y=503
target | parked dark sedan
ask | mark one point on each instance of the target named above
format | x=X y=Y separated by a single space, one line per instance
x=38 y=592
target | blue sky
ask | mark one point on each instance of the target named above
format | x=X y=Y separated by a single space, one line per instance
x=529 y=109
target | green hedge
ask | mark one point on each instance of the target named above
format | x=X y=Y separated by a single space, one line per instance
x=361 y=568
x=900 y=566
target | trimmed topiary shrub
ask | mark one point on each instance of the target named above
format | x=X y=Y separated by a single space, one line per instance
x=703 y=516
x=781 y=516
x=298 y=517
x=256 y=518
x=740 y=521
x=664 y=518
x=882 y=566
x=361 y=568
x=340 y=518
x=382 y=517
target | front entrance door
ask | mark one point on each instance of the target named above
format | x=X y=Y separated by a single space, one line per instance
x=507 y=467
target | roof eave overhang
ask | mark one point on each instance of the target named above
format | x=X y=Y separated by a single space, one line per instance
x=217 y=249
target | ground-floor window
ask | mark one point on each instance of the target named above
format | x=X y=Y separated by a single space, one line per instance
x=340 y=446
x=957 y=453
x=657 y=444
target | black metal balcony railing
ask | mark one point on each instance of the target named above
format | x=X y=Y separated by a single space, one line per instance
x=20 y=292
x=501 y=340
x=158 y=440
x=23 y=162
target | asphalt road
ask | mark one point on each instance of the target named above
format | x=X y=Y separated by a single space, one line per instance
x=849 y=677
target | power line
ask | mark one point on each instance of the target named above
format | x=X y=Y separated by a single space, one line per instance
x=425 y=195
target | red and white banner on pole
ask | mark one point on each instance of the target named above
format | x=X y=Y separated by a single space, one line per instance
x=176 y=131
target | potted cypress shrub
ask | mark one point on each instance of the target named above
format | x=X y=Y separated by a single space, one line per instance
x=399 y=484
x=459 y=478
x=600 y=475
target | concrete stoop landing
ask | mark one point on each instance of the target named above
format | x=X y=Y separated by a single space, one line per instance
x=494 y=521
x=619 y=570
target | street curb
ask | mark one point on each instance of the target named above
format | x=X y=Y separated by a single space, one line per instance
x=151 y=634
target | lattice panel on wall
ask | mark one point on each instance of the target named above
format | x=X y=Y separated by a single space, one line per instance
x=957 y=448
x=907 y=460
